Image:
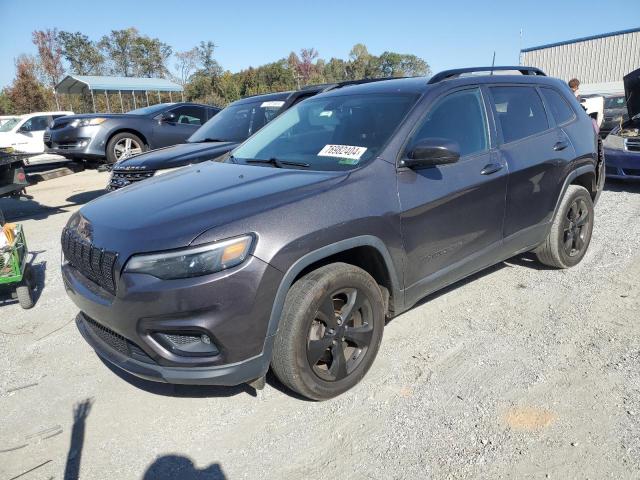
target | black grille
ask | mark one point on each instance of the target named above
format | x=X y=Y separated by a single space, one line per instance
x=117 y=342
x=94 y=263
x=122 y=178
x=181 y=339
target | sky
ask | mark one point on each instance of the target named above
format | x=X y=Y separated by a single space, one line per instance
x=447 y=34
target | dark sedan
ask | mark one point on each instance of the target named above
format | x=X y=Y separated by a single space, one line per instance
x=120 y=135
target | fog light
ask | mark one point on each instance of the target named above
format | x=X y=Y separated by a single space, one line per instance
x=187 y=344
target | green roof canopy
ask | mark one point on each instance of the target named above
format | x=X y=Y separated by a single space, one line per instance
x=82 y=83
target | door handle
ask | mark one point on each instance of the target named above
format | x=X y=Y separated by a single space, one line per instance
x=491 y=168
x=560 y=146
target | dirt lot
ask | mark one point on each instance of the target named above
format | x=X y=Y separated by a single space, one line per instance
x=519 y=372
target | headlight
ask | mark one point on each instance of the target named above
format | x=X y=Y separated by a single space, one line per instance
x=165 y=171
x=614 y=142
x=192 y=262
x=86 y=122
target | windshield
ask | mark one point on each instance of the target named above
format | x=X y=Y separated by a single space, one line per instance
x=150 y=110
x=331 y=133
x=614 y=102
x=237 y=122
x=7 y=124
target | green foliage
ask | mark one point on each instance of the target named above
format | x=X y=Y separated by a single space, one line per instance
x=26 y=93
x=82 y=54
x=130 y=54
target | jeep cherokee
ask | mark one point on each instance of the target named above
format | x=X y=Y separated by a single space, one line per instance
x=344 y=211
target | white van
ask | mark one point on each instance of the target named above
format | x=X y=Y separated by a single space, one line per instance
x=25 y=134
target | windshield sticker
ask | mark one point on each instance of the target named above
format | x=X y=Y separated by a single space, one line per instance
x=272 y=104
x=342 y=151
x=348 y=161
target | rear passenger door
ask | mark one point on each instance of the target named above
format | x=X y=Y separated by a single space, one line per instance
x=452 y=214
x=534 y=150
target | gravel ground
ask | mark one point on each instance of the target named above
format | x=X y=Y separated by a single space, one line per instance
x=518 y=372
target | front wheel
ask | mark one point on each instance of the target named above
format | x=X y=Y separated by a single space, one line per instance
x=570 y=234
x=123 y=145
x=330 y=331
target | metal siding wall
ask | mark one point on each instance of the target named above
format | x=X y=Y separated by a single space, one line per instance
x=605 y=59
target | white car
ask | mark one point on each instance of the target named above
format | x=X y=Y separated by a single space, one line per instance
x=25 y=134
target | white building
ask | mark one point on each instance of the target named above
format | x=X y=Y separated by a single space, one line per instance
x=599 y=61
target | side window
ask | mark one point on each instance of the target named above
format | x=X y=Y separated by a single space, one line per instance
x=190 y=114
x=35 y=124
x=459 y=117
x=520 y=112
x=560 y=108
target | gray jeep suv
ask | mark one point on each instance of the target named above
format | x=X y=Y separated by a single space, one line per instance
x=292 y=251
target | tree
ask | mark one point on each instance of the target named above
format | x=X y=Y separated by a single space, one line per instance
x=6 y=107
x=83 y=55
x=208 y=65
x=50 y=57
x=361 y=63
x=150 y=57
x=400 y=65
x=26 y=93
x=118 y=48
x=186 y=63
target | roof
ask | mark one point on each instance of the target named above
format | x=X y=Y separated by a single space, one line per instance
x=581 y=39
x=82 y=83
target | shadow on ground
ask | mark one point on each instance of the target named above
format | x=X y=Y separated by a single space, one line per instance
x=27 y=208
x=184 y=391
x=171 y=467
x=631 y=186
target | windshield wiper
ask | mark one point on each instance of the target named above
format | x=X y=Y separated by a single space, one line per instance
x=278 y=163
x=205 y=140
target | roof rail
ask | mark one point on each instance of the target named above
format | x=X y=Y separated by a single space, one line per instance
x=456 y=72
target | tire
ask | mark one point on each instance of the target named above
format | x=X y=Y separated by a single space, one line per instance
x=120 y=140
x=570 y=234
x=24 y=292
x=311 y=328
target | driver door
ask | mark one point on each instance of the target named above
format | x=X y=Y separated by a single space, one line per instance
x=178 y=124
x=452 y=215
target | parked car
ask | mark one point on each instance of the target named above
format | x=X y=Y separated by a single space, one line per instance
x=115 y=136
x=25 y=133
x=342 y=212
x=220 y=135
x=615 y=113
x=622 y=145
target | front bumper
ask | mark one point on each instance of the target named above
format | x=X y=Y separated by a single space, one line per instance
x=231 y=307
x=622 y=164
x=76 y=143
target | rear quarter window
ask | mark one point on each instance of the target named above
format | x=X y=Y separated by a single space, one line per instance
x=520 y=112
x=560 y=108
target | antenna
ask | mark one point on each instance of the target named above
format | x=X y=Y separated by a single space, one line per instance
x=493 y=62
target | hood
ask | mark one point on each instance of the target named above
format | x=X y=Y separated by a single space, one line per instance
x=175 y=156
x=69 y=118
x=170 y=211
x=632 y=92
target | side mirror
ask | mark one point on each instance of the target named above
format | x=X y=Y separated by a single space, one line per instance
x=430 y=152
x=168 y=117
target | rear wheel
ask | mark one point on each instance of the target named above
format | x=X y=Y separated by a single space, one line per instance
x=570 y=233
x=123 y=145
x=24 y=292
x=330 y=331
